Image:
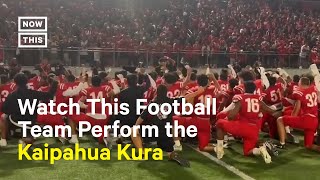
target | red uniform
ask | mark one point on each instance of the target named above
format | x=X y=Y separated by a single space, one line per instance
x=175 y=90
x=150 y=94
x=159 y=81
x=202 y=122
x=272 y=95
x=209 y=92
x=291 y=88
x=34 y=83
x=190 y=86
x=5 y=90
x=95 y=93
x=70 y=85
x=249 y=122
x=51 y=119
x=308 y=118
x=223 y=85
x=240 y=88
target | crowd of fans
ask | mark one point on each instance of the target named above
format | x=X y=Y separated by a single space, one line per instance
x=264 y=26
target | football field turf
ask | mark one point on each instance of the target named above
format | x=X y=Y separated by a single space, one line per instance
x=293 y=163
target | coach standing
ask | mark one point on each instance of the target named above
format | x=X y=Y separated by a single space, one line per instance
x=11 y=106
x=130 y=96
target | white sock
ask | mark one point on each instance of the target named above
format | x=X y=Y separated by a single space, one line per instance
x=220 y=143
x=256 y=151
x=287 y=129
x=177 y=143
x=73 y=136
x=3 y=140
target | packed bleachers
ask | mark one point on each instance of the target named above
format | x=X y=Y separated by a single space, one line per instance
x=193 y=27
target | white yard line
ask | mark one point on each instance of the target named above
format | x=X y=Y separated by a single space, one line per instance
x=223 y=164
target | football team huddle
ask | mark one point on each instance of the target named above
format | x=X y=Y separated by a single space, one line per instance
x=249 y=101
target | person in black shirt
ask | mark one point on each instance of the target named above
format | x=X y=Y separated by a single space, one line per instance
x=130 y=95
x=163 y=141
x=11 y=106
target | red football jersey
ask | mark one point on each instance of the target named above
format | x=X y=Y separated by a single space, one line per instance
x=210 y=92
x=5 y=90
x=69 y=85
x=150 y=94
x=175 y=90
x=58 y=97
x=309 y=100
x=96 y=93
x=250 y=107
x=259 y=86
x=240 y=88
x=34 y=83
x=224 y=85
x=228 y=95
x=159 y=81
x=191 y=85
x=292 y=87
x=272 y=95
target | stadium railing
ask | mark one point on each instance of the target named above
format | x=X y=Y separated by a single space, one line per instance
x=74 y=56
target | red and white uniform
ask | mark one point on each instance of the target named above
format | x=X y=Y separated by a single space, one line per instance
x=96 y=93
x=190 y=86
x=308 y=116
x=34 y=83
x=291 y=88
x=202 y=122
x=175 y=90
x=223 y=85
x=99 y=118
x=70 y=85
x=5 y=90
x=52 y=119
x=272 y=95
x=150 y=94
x=240 y=88
x=248 y=124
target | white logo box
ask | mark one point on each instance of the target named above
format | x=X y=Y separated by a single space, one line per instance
x=33 y=17
x=33 y=46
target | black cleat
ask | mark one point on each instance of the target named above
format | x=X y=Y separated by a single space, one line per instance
x=271 y=148
x=180 y=160
x=292 y=139
x=317 y=140
x=280 y=146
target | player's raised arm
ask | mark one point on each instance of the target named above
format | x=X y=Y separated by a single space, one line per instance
x=213 y=79
x=194 y=94
x=116 y=89
x=187 y=79
x=43 y=96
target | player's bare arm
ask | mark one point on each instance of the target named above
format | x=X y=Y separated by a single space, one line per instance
x=233 y=113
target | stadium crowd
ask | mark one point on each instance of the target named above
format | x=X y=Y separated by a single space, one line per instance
x=195 y=27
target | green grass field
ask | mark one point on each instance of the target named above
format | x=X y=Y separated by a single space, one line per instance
x=294 y=163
